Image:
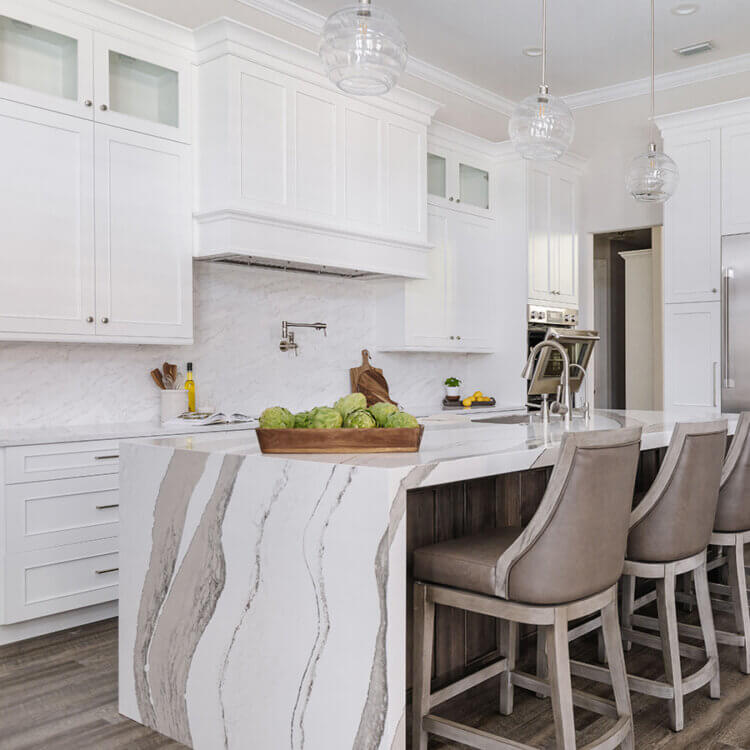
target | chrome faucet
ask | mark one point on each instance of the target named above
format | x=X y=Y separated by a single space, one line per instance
x=528 y=372
x=585 y=407
x=287 y=343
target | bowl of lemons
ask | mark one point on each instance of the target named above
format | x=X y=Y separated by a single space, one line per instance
x=478 y=399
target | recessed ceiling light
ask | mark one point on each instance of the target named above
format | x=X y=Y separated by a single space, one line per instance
x=532 y=51
x=685 y=9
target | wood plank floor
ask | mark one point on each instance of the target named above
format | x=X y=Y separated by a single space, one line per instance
x=59 y=692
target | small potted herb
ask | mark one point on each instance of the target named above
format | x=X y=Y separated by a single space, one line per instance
x=452 y=389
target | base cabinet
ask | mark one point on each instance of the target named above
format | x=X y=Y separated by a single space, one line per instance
x=692 y=376
x=453 y=310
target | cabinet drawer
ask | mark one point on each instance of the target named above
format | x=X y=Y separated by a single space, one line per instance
x=45 y=582
x=62 y=511
x=34 y=463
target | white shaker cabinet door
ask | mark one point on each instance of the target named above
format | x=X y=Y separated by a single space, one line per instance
x=566 y=240
x=692 y=336
x=692 y=217
x=735 y=176
x=143 y=236
x=540 y=235
x=46 y=223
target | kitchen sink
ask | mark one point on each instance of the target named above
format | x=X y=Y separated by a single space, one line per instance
x=509 y=419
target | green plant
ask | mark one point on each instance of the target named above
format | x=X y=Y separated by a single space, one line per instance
x=452 y=382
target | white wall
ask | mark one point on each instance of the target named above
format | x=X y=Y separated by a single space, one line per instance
x=238 y=364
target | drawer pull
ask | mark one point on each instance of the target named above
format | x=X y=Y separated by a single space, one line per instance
x=106 y=458
x=106 y=570
x=107 y=507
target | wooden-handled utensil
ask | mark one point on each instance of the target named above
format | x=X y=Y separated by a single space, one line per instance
x=158 y=379
x=170 y=375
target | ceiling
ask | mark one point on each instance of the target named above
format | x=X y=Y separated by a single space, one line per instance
x=591 y=43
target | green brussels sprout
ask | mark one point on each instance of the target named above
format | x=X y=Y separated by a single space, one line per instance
x=360 y=419
x=347 y=404
x=381 y=411
x=276 y=418
x=401 y=419
x=325 y=418
x=302 y=420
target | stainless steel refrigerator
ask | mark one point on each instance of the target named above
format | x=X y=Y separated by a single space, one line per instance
x=735 y=323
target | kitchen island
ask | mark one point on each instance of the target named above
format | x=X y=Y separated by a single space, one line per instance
x=264 y=600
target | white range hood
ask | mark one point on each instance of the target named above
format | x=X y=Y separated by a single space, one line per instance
x=294 y=174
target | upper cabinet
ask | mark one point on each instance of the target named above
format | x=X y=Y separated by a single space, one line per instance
x=456 y=180
x=735 y=179
x=692 y=218
x=291 y=170
x=141 y=89
x=97 y=219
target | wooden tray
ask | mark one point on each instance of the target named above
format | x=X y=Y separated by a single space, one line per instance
x=375 y=440
x=459 y=405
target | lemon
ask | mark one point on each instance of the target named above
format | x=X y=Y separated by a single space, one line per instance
x=468 y=401
x=478 y=395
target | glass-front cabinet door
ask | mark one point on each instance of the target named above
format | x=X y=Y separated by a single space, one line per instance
x=473 y=186
x=142 y=90
x=45 y=62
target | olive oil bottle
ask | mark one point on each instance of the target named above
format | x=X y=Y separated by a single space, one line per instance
x=190 y=387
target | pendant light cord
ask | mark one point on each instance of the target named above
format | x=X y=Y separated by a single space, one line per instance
x=544 y=43
x=653 y=76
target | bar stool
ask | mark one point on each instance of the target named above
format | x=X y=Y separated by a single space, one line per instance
x=732 y=531
x=669 y=532
x=563 y=565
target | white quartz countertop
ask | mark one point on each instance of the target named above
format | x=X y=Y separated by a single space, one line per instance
x=107 y=431
x=456 y=446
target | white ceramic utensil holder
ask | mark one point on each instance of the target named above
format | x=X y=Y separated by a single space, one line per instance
x=173 y=403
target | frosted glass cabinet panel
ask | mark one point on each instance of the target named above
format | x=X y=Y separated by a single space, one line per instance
x=437 y=172
x=45 y=62
x=141 y=89
x=144 y=90
x=474 y=186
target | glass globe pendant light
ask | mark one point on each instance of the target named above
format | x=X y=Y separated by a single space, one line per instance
x=542 y=125
x=653 y=176
x=363 y=49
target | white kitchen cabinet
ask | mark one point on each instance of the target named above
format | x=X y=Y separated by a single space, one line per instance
x=45 y=61
x=141 y=88
x=692 y=336
x=458 y=180
x=553 y=234
x=143 y=236
x=735 y=179
x=454 y=309
x=47 y=218
x=692 y=218
x=282 y=153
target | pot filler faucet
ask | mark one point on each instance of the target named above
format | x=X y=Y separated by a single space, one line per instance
x=559 y=407
x=287 y=343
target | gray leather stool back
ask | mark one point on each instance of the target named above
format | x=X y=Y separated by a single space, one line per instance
x=733 y=510
x=574 y=546
x=676 y=516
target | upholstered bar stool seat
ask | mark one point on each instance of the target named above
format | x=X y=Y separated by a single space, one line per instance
x=562 y=566
x=669 y=533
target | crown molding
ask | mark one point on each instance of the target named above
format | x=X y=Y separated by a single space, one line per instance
x=664 y=81
x=309 y=20
x=710 y=116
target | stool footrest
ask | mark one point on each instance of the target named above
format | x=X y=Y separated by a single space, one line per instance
x=468 y=682
x=583 y=700
x=690 y=631
x=655 y=642
x=654 y=688
x=477 y=738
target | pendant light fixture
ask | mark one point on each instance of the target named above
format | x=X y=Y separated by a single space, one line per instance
x=542 y=126
x=653 y=176
x=363 y=49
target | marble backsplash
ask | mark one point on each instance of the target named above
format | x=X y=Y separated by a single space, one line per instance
x=238 y=365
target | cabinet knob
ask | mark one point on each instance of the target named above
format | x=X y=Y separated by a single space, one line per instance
x=103 y=107
x=88 y=103
x=452 y=337
x=105 y=320
x=90 y=319
x=714 y=291
x=458 y=337
x=451 y=199
x=458 y=200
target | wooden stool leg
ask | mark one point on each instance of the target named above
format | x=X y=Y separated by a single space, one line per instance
x=424 y=632
x=666 y=604
x=616 y=659
x=703 y=600
x=628 y=601
x=509 y=637
x=541 y=655
x=737 y=582
x=561 y=688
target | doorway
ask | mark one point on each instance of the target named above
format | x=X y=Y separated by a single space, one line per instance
x=628 y=315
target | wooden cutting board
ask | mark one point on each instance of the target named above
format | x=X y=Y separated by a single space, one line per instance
x=370 y=381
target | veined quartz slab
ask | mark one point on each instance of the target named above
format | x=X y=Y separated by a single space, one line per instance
x=262 y=598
